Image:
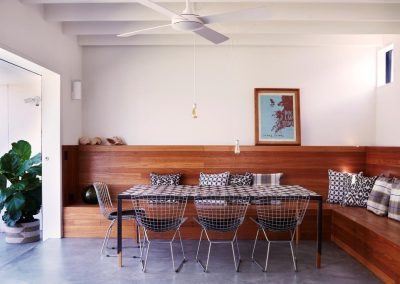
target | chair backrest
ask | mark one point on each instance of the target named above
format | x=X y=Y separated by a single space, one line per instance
x=222 y=213
x=103 y=196
x=159 y=213
x=281 y=213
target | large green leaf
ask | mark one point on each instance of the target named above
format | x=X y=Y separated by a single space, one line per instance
x=15 y=202
x=18 y=186
x=11 y=218
x=10 y=164
x=5 y=194
x=3 y=182
x=37 y=159
x=35 y=170
x=22 y=149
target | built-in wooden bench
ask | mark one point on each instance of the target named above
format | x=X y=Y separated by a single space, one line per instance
x=372 y=240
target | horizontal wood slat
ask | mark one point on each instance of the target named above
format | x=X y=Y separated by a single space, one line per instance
x=383 y=160
x=372 y=240
x=123 y=166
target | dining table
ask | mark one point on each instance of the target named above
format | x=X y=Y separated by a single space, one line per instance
x=192 y=191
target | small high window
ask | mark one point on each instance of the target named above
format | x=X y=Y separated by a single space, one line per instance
x=385 y=65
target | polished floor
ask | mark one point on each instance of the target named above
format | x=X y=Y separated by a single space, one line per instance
x=78 y=261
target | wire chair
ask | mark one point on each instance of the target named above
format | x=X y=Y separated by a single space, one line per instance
x=279 y=214
x=220 y=214
x=160 y=214
x=108 y=211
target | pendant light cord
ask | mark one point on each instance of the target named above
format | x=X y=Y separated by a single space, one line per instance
x=194 y=69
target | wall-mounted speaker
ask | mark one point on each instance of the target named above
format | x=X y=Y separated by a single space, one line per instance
x=76 y=93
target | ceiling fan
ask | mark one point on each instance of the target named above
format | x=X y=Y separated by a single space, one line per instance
x=188 y=20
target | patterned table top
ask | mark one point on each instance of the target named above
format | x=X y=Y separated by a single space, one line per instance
x=195 y=190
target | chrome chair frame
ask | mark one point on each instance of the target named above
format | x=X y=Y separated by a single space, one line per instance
x=220 y=207
x=268 y=209
x=108 y=211
x=160 y=225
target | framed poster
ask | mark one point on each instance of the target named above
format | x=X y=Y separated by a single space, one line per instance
x=277 y=116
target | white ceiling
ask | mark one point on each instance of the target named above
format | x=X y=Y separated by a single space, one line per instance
x=294 y=22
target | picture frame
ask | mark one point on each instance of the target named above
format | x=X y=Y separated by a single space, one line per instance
x=277 y=116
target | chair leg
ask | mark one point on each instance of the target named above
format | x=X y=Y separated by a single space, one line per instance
x=254 y=246
x=266 y=260
x=294 y=259
x=144 y=264
x=107 y=237
x=180 y=240
x=198 y=246
x=268 y=248
x=208 y=257
x=172 y=251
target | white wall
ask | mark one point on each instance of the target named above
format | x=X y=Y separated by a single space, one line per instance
x=388 y=102
x=145 y=93
x=24 y=32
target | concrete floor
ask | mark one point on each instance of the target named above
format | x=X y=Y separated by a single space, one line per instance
x=78 y=261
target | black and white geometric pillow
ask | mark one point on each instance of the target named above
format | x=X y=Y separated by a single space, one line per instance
x=359 y=191
x=168 y=179
x=214 y=179
x=339 y=184
x=241 y=179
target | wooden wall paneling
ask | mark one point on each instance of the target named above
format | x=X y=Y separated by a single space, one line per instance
x=123 y=166
x=383 y=160
x=372 y=240
x=70 y=174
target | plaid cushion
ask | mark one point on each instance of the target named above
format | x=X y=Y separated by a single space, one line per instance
x=359 y=191
x=339 y=184
x=394 y=203
x=267 y=179
x=378 y=201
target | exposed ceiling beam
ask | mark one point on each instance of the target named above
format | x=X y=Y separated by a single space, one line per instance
x=273 y=27
x=237 y=40
x=278 y=11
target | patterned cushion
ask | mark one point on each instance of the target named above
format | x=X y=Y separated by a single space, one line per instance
x=378 y=201
x=214 y=179
x=394 y=203
x=359 y=191
x=241 y=179
x=168 y=179
x=267 y=179
x=339 y=184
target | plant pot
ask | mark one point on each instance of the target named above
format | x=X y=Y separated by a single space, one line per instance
x=23 y=233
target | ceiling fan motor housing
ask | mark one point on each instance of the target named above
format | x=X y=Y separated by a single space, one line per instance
x=187 y=22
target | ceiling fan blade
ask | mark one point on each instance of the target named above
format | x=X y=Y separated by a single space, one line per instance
x=256 y=14
x=142 y=30
x=211 y=35
x=158 y=8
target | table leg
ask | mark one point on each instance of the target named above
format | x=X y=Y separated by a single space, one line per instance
x=119 y=233
x=319 y=233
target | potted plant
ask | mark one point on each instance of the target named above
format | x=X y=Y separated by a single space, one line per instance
x=21 y=193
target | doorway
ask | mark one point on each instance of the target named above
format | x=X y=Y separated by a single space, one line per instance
x=50 y=140
x=20 y=115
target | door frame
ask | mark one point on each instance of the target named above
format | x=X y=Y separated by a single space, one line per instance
x=51 y=143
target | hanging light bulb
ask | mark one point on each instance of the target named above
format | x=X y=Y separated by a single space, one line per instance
x=194 y=111
x=237 y=147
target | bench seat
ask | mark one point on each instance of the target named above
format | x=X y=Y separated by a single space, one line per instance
x=373 y=240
